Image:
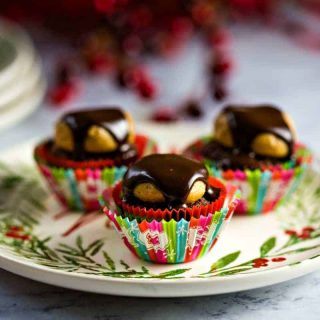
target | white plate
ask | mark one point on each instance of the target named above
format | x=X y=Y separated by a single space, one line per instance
x=24 y=84
x=21 y=85
x=23 y=105
x=17 y=53
x=43 y=254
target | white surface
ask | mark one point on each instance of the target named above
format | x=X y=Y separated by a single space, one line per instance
x=26 y=299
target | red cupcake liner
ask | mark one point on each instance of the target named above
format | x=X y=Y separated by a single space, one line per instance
x=166 y=214
x=43 y=155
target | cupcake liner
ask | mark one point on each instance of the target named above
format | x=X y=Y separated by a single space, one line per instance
x=262 y=190
x=140 y=213
x=78 y=188
x=174 y=241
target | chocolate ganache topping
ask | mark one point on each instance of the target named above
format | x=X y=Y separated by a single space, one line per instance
x=173 y=175
x=244 y=136
x=95 y=133
x=246 y=123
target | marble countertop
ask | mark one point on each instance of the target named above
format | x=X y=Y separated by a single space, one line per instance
x=270 y=69
x=26 y=299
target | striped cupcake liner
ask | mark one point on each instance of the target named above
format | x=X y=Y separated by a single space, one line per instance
x=79 y=188
x=262 y=190
x=172 y=241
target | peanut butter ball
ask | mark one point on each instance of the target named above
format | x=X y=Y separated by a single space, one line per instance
x=166 y=178
x=263 y=130
x=94 y=131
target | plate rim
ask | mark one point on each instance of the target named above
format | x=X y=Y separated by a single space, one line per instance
x=233 y=283
x=154 y=280
x=24 y=85
x=23 y=45
x=29 y=103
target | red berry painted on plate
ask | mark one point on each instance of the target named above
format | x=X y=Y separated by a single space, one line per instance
x=260 y=262
x=308 y=229
x=278 y=259
x=291 y=233
x=17 y=235
x=305 y=233
x=16 y=228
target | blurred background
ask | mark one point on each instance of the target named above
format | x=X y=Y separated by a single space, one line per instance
x=171 y=63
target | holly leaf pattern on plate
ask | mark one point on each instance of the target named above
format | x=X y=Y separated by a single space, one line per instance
x=267 y=246
x=224 y=261
x=109 y=261
x=172 y=273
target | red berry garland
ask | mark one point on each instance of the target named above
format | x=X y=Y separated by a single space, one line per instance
x=120 y=32
x=65 y=86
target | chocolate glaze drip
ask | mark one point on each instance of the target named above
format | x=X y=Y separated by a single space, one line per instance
x=173 y=175
x=245 y=124
x=248 y=122
x=228 y=158
x=112 y=120
x=125 y=155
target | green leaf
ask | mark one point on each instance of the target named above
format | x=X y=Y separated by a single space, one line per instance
x=10 y=182
x=267 y=246
x=231 y=272
x=291 y=241
x=97 y=249
x=315 y=234
x=67 y=247
x=299 y=250
x=172 y=273
x=65 y=251
x=109 y=261
x=224 y=261
x=124 y=274
x=45 y=240
x=92 y=245
x=73 y=261
x=126 y=266
x=52 y=253
x=145 y=269
x=79 y=242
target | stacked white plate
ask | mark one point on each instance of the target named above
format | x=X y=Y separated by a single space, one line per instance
x=21 y=85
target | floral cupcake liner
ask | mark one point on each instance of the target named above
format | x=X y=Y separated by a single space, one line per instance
x=174 y=241
x=78 y=188
x=262 y=190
